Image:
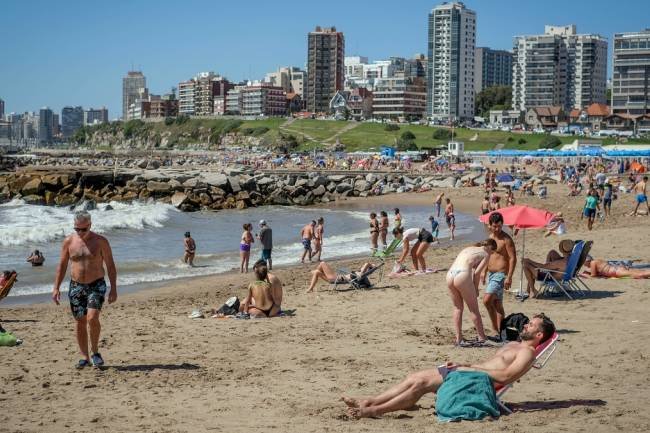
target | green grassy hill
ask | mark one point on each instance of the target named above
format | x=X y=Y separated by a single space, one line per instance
x=313 y=134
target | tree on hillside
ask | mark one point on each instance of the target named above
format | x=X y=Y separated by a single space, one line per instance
x=494 y=97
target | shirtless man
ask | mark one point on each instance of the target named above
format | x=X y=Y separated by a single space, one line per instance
x=509 y=364
x=498 y=273
x=88 y=252
x=438 y=202
x=264 y=297
x=307 y=234
x=190 y=249
x=640 y=189
x=485 y=205
x=601 y=268
x=319 y=230
x=554 y=261
x=450 y=218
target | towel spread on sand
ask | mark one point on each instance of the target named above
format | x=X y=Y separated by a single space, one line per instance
x=466 y=395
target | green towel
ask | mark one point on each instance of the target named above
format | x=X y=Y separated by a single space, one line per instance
x=7 y=339
x=466 y=395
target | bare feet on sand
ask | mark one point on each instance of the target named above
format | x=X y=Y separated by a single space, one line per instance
x=357 y=408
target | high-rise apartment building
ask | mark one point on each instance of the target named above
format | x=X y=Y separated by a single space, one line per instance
x=361 y=74
x=45 y=122
x=559 y=68
x=325 y=67
x=492 y=68
x=186 y=97
x=2 y=109
x=291 y=79
x=95 y=115
x=631 y=79
x=450 y=67
x=263 y=99
x=72 y=118
x=131 y=85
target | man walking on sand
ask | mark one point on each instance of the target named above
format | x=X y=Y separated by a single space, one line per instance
x=450 y=218
x=499 y=272
x=88 y=252
x=639 y=189
x=306 y=235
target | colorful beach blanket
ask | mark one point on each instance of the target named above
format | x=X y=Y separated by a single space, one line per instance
x=466 y=395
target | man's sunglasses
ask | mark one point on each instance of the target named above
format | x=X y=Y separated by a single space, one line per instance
x=81 y=229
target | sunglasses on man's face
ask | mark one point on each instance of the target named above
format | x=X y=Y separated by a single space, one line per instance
x=81 y=229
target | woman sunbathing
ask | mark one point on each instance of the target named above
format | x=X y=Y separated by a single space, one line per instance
x=601 y=268
x=327 y=273
x=261 y=300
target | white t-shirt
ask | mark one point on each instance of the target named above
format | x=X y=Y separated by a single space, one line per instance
x=411 y=234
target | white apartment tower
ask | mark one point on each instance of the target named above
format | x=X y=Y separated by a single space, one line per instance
x=631 y=78
x=559 y=68
x=450 y=67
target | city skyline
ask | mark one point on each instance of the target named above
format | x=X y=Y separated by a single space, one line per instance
x=109 y=42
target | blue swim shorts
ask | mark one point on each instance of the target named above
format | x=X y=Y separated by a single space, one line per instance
x=266 y=254
x=495 y=284
x=85 y=296
x=306 y=243
x=641 y=198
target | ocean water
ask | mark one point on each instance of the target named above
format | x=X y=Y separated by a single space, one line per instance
x=147 y=238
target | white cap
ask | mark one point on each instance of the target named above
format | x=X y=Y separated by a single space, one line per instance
x=262 y=222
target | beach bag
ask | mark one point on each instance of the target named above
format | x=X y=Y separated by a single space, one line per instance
x=362 y=283
x=512 y=325
x=7 y=339
x=230 y=308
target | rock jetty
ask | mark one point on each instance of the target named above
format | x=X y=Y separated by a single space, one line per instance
x=193 y=190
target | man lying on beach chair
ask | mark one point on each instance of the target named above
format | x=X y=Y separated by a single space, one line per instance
x=472 y=384
x=327 y=273
x=603 y=269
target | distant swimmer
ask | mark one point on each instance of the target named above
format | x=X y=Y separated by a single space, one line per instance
x=306 y=236
x=89 y=253
x=190 y=249
x=36 y=258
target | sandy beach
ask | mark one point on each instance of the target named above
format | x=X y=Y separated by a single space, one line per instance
x=168 y=373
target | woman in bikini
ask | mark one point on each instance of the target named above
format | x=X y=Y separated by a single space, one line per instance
x=601 y=268
x=245 y=247
x=260 y=301
x=398 y=219
x=463 y=282
x=422 y=238
x=374 y=231
x=327 y=273
x=383 y=227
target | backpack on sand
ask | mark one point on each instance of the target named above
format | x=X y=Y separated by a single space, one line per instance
x=512 y=325
x=230 y=308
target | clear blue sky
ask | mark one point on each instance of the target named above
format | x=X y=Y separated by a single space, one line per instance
x=75 y=52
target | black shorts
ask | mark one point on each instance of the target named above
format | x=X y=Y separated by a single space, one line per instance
x=85 y=296
x=451 y=220
x=425 y=236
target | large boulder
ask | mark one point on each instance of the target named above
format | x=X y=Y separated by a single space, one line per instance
x=343 y=187
x=52 y=182
x=178 y=199
x=234 y=183
x=96 y=180
x=319 y=190
x=16 y=185
x=33 y=199
x=158 y=188
x=361 y=185
x=33 y=187
x=153 y=165
x=336 y=177
x=219 y=180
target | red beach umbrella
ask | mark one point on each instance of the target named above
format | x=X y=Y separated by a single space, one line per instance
x=522 y=217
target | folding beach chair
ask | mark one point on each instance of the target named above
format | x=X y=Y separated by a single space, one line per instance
x=566 y=283
x=358 y=281
x=4 y=290
x=578 y=283
x=386 y=254
x=543 y=353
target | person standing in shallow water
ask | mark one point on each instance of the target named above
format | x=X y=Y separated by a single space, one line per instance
x=88 y=252
x=319 y=231
x=190 y=249
x=245 y=243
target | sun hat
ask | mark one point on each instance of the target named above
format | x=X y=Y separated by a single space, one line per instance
x=566 y=246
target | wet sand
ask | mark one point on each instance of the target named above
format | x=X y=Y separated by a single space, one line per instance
x=168 y=373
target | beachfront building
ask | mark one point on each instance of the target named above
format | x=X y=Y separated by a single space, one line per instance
x=399 y=98
x=360 y=103
x=164 y=106
x=131 y=87
x=505 y=117
x=2 y=109
x=56 y=126
x=450 y=67
x=45 y=122
x=361 y=74
x=631 y=74
x=234 y=100
x=492 y=68
x=263 y=99
x=545 y=117
x=592 y=117
x=196 y=96
x=325 y=67
x=559 y=68
x=72 y=118
x=93 y=116
x=291 y=79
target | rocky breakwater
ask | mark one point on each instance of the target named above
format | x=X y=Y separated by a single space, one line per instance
x=195 y=190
